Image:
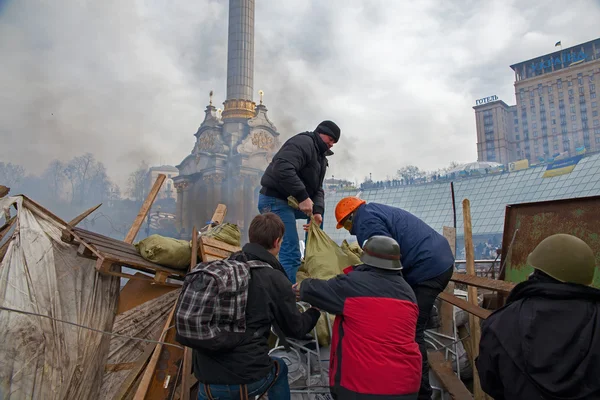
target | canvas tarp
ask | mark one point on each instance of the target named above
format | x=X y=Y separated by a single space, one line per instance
x=41 y=358
x=145 y=321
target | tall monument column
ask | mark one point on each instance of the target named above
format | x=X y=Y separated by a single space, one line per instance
x=240 y=61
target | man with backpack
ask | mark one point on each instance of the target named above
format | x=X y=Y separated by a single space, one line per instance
x=225 y=312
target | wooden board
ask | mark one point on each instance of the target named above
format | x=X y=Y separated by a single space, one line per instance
x=139 y=219
x=219 y=215
x=484 y=283
x=114 y=254
x=446 y=309
x=83 y=215
x=474 y=324
x=465 y=305
x=138 y=291
x=442 y=368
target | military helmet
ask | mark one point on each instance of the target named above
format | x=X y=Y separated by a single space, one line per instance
x=381 y=252
x=565 y=258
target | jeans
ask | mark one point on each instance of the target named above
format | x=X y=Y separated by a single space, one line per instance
x=426 y=293
x=289 y=254
x=280 y=390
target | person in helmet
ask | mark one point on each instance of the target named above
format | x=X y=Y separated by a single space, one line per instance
x=426 y=256
x=545 y=342
x=298 y=170
x=373 y=349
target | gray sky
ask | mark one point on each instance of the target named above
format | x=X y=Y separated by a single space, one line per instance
x=129 y=80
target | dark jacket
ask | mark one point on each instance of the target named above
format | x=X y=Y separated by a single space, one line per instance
x=373 y=350
x=298 y=170
x=270 y=300
x=544 y=344
x=425 y=253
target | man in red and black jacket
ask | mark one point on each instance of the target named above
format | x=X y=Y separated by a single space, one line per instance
x=373 y=350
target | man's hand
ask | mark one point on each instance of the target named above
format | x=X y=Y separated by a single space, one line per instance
x=306 y=206
x=318 y=220
x=296 y=289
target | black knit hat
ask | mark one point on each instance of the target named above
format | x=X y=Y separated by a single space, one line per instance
x=329 y=128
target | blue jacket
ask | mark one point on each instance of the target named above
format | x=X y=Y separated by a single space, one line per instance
x=425 y=253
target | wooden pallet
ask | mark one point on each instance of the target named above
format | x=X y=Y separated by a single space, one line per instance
x=111 y=254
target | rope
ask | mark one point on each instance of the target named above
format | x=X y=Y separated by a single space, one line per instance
x=93 y=329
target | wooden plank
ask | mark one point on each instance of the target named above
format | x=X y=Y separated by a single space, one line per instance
x=110 y=243
x=208 y=241
x=136 y=263
x=187 y=353
x=139 y=220
x=161 y=277
x=83 y=216
x=474 y=324
x=219 y=215
x=443 y=370
x=119 y=367
x=139 y=290
x=126 y=388
x=103 y=266
x=165 y=372
x=7 y=226
x=213 y=251
x=84 y=251
x=484 y=283
x=447 y=309
x=142 y=390
x=465 y=305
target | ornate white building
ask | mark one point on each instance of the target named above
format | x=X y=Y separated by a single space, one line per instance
x=232 y=148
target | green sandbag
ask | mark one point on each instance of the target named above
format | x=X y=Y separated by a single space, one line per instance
x=165 y=251
x=352 y=252
x=226 y=232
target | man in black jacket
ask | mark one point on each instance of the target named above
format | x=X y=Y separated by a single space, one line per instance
x=545 y=342
x=246 y=370
x=298 y=170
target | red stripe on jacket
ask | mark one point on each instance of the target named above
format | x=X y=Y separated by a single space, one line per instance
x=379 y=354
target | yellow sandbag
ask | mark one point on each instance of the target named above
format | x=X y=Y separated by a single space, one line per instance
x=323 y=259
x=352 y=253
x=226 y=232
x=165 y=251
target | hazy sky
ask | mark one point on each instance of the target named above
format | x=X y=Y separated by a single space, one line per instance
x=129 y=80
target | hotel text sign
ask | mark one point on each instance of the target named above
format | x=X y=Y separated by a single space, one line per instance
x=486 y=100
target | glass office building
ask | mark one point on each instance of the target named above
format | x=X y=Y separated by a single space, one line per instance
x=488 y=194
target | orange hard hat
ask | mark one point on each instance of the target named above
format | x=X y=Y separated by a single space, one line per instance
x=345 y=207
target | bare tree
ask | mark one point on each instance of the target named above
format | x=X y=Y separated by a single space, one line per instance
x=54 y=176
x=409 y=172
x=137 y=184
x=11 y=174
x=88 y=180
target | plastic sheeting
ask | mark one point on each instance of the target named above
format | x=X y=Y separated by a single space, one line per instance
x=41 y=358
x=144 y=321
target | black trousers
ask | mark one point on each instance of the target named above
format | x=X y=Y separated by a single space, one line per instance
x=426 y=293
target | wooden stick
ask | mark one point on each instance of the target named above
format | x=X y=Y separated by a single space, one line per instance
x=142 y=390
x=75 y=221
x=139 y=220
x=219 y=215
x=472 y=291
x=187 y=353
x=446 y=309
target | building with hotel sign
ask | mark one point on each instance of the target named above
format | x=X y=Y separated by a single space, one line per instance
x=556 y=113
